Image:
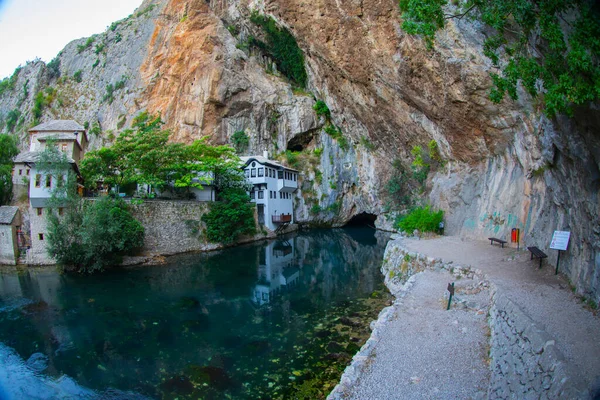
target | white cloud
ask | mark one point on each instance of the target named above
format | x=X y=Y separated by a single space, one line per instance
x=41 y=28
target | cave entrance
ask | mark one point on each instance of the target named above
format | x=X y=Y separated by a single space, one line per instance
x=362 y=219
x=300 y=141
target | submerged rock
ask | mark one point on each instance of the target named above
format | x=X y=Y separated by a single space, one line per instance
x=178 y=384
x=37 y=362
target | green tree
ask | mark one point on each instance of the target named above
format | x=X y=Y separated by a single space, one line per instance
x=8 y=150
x=86 y=237
x=143 y=155
x=230 y=217
x=91 y=237
x=550 y=47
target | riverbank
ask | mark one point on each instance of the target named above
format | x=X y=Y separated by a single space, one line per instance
x=518 y=331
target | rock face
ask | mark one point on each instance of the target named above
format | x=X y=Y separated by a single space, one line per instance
x=505 y=165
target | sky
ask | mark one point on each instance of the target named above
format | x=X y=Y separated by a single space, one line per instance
x=41 y=28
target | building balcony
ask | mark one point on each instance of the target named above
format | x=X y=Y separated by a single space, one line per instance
x=282 y=218
x=286 y=185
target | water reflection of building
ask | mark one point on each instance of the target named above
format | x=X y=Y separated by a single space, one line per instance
x=276 y=271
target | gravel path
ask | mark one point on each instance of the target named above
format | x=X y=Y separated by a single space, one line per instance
x=427 y=352
x=545 y=297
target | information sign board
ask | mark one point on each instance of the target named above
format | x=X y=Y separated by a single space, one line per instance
x=560 y=240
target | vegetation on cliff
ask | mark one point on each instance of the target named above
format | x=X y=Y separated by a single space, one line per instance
x=550 y=47
x=282 y=47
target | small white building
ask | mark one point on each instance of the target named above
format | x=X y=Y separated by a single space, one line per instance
x=70 y=138
x=273 y=187
x=10 y=223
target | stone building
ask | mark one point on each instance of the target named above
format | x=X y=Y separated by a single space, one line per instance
x=70 y=139
x=273 y=187
x=10 y=224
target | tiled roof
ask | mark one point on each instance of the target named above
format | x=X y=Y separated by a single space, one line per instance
x=263 y=160
x=32 y=157
x=58 y=125
x=7 y=214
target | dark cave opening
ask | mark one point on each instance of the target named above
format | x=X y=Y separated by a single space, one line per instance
x=362 y=219
x=300 y=141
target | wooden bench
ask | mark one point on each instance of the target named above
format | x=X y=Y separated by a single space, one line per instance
x=537 y=253
x=492 y=240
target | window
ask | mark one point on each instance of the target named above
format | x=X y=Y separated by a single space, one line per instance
x=20 y=172
x=252 y=195
x=294 y=176
x=48 y=181
x=261 y=194
x=41 y=236
x=247 y=173
x=38 y=211
x=38 y=180
x=27 y=172
x=61 y=180
x=279 y=174
x=280 y=195
x=253 y=173
x=63 y=147
x=261 y=172
x=253 y=164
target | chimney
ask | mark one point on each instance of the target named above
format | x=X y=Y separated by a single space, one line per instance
x=266 y=154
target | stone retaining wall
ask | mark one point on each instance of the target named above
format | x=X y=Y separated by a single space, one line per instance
x=525 y=361
x=172 y=227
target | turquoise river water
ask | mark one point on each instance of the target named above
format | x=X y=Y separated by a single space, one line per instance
x=277 y=319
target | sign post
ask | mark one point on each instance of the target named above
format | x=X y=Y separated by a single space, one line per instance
x=560 y=242
x=451 y=290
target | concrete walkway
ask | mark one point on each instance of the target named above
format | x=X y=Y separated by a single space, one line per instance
x=427 y=352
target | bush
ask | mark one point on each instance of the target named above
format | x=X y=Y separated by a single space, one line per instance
x=9 y=83
x=88 y=43
x=231 y=217
x=240 y=141
x=93 y=237
x=54 y=68
x=321 y=109
x=424 y=219
x=77 y=76
x=12 y=118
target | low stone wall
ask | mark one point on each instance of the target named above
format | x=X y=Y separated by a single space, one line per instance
x=172 y=227
x=525 y=361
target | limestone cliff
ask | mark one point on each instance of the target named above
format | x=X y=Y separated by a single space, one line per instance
x=504 y=166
